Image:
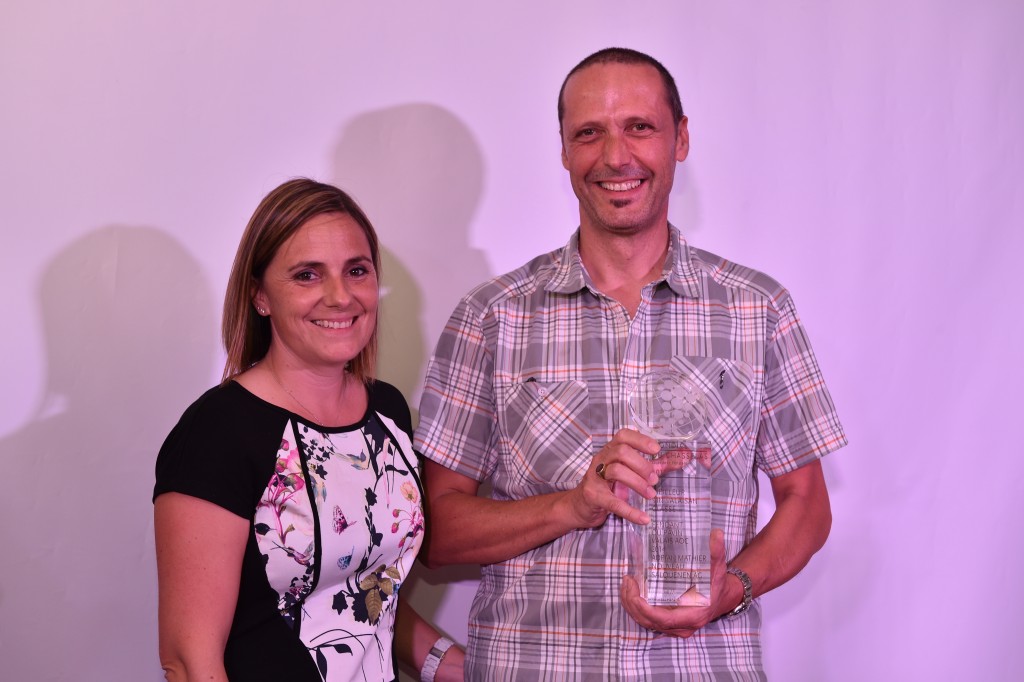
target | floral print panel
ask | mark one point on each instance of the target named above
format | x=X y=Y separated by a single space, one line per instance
x=339 y=525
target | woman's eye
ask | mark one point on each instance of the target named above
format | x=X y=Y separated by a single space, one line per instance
x=305 y=276
x=359 y=271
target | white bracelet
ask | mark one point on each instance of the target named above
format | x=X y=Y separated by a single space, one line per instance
x=433 y=659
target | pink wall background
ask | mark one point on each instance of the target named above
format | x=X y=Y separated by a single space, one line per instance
x=868 y=155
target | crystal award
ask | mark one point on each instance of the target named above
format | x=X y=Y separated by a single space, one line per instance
x=670 y=558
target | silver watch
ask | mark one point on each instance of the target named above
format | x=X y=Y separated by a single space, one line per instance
x=748 y=590
x=433 y=659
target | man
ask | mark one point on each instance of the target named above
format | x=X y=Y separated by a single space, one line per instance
x=528 y=389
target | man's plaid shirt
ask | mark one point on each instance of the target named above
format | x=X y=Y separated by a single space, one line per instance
x=530 y=379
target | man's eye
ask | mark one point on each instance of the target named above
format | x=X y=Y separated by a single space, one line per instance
x=641 y=127
x=586 y=132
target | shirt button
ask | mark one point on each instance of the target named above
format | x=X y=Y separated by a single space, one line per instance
x=543 y=392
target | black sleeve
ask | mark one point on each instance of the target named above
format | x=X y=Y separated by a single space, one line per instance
x=390 y=402
x=222 y=450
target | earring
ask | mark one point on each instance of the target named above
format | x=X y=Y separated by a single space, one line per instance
x=260 y=310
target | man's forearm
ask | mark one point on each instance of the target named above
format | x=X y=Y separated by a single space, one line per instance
x=798 y=528
x=467 y=529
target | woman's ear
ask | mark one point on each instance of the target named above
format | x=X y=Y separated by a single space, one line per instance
x=259 y=299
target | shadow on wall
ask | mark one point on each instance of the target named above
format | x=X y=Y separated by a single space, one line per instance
x=417 y=171
x=127 y=320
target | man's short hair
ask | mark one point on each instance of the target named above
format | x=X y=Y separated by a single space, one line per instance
x=624 y=55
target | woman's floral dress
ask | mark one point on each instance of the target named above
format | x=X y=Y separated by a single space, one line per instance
x=336 y=520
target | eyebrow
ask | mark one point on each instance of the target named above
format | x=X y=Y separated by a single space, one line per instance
x=306 y=264
x=319 y=264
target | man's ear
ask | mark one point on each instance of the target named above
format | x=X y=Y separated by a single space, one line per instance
x=682 y=141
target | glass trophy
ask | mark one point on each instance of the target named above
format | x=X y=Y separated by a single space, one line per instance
x=671 y=557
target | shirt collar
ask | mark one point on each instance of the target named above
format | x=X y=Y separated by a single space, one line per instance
x=679 y=273
x=569 y=275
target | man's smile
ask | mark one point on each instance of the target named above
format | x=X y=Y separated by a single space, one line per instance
x=621 y=186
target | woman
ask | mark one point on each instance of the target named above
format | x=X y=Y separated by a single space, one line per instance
x=288 y=505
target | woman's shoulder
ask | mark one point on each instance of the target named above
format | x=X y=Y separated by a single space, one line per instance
x=229 y=401
x=222 y=449
x=224 y=415
x=389 y=401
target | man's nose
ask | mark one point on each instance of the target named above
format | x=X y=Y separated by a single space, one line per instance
x=616 y=152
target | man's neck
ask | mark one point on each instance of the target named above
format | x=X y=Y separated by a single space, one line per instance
x=621 y=265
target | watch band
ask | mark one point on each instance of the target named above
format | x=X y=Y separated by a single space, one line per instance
x=748 y=590
x=433 y=659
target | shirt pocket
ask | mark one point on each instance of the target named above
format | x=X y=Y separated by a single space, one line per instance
x=546 y=436
x=730 y=395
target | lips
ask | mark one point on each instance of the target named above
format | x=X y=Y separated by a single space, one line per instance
x=332 y=324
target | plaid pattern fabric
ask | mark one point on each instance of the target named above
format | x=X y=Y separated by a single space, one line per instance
x=530 y=378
